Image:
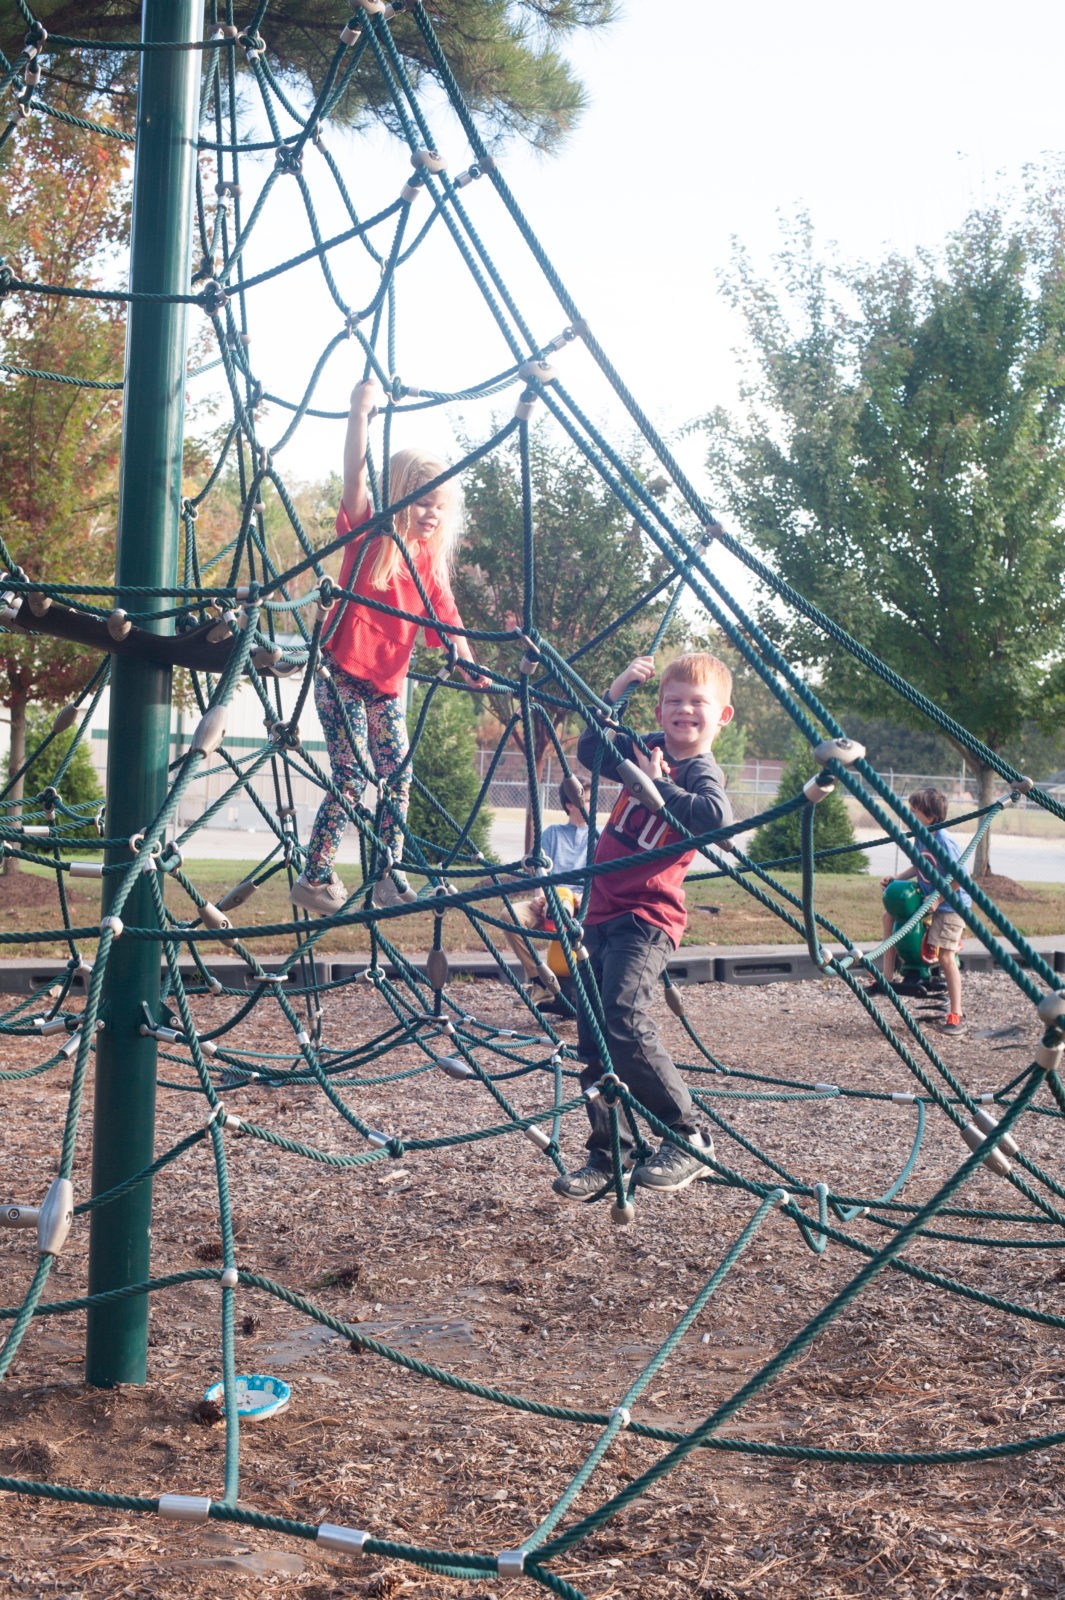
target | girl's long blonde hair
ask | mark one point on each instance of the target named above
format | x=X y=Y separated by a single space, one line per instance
x=409 y=471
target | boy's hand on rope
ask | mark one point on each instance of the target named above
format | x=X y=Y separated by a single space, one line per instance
x=653 y=765
x=637 y=671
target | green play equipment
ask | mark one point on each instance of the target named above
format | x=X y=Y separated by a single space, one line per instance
x=901 y=899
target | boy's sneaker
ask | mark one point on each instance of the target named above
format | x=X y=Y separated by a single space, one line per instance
x=586 y=1183
x=323 y=899
x=952 y=1023
x=672 y=1168
x=391 y=890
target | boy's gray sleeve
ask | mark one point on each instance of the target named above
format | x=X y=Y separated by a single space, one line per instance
x=702 y=804
x=589 y=744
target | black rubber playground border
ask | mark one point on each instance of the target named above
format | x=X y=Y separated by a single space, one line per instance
x=735 y=964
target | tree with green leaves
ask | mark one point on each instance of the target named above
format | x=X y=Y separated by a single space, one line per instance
x=70 y=773
x=590 y=565
x=445 y=763
x=902 y=464
x=781 y=839
x=503 y=54
x=66 y=208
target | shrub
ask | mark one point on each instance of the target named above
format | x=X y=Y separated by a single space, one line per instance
x=775 y=841
x=445 y=761
x=79 y=787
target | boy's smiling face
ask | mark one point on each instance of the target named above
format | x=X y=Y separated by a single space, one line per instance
x=690 y=715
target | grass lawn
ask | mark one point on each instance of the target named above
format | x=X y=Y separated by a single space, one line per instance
x=721 y=912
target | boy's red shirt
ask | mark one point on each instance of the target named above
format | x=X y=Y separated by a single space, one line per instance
x=695 y=797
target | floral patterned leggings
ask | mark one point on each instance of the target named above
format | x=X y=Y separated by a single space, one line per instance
x=380 y=744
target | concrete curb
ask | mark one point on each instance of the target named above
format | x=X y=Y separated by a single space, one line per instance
x=736 y=964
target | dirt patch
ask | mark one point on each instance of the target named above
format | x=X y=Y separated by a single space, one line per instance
x=1004 y=890
x=460 y=1258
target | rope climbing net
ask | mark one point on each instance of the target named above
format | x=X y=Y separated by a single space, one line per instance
x=241 y=619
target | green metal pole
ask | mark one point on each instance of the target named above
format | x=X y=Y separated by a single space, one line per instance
x=139 y=727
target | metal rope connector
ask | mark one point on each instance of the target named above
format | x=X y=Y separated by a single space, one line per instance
x=819 y=787
x=213 y=297
x=976 y=1134
x=56 y=1215
x=455 y=1067
x=845 y=751
x=538 y=369
x=184 y=1507
x=350 y=1541
x=475 y=170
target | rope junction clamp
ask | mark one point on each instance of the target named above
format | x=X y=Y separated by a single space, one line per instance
x=640 y=786
x=455 y=1067
x=542 y=371
x=845 y=751
x=510 y=1563
x=538 y=1137
x=210 y=731
x=437 y=968
x=975 y=1134
x=1051 y=1009
x=213 y=298
x=572 y=789
x=55 y=1216
x=118 y=625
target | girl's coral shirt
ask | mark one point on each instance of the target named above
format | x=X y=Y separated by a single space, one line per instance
x=369 y=644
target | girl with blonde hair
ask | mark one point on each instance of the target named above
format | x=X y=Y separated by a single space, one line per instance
x=368 y=652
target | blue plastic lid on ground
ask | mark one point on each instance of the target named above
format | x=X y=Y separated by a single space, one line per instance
x=258 y=1395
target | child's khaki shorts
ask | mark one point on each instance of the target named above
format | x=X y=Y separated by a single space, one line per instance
x=946 y=930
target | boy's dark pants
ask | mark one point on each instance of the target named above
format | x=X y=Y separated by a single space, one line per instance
x=628 y=957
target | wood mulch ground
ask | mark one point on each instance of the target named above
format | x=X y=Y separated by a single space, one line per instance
x=463 y=1258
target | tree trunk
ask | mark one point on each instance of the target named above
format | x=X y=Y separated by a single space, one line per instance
x=17 y=708
x=543 y=745
x=986 y=778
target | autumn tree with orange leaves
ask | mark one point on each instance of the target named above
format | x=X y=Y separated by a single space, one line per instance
x=65 y=223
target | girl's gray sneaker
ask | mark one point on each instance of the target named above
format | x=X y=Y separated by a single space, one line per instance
x=391 y=890
x=322 y=899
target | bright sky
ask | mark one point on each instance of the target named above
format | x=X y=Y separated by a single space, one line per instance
x=705 y=122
